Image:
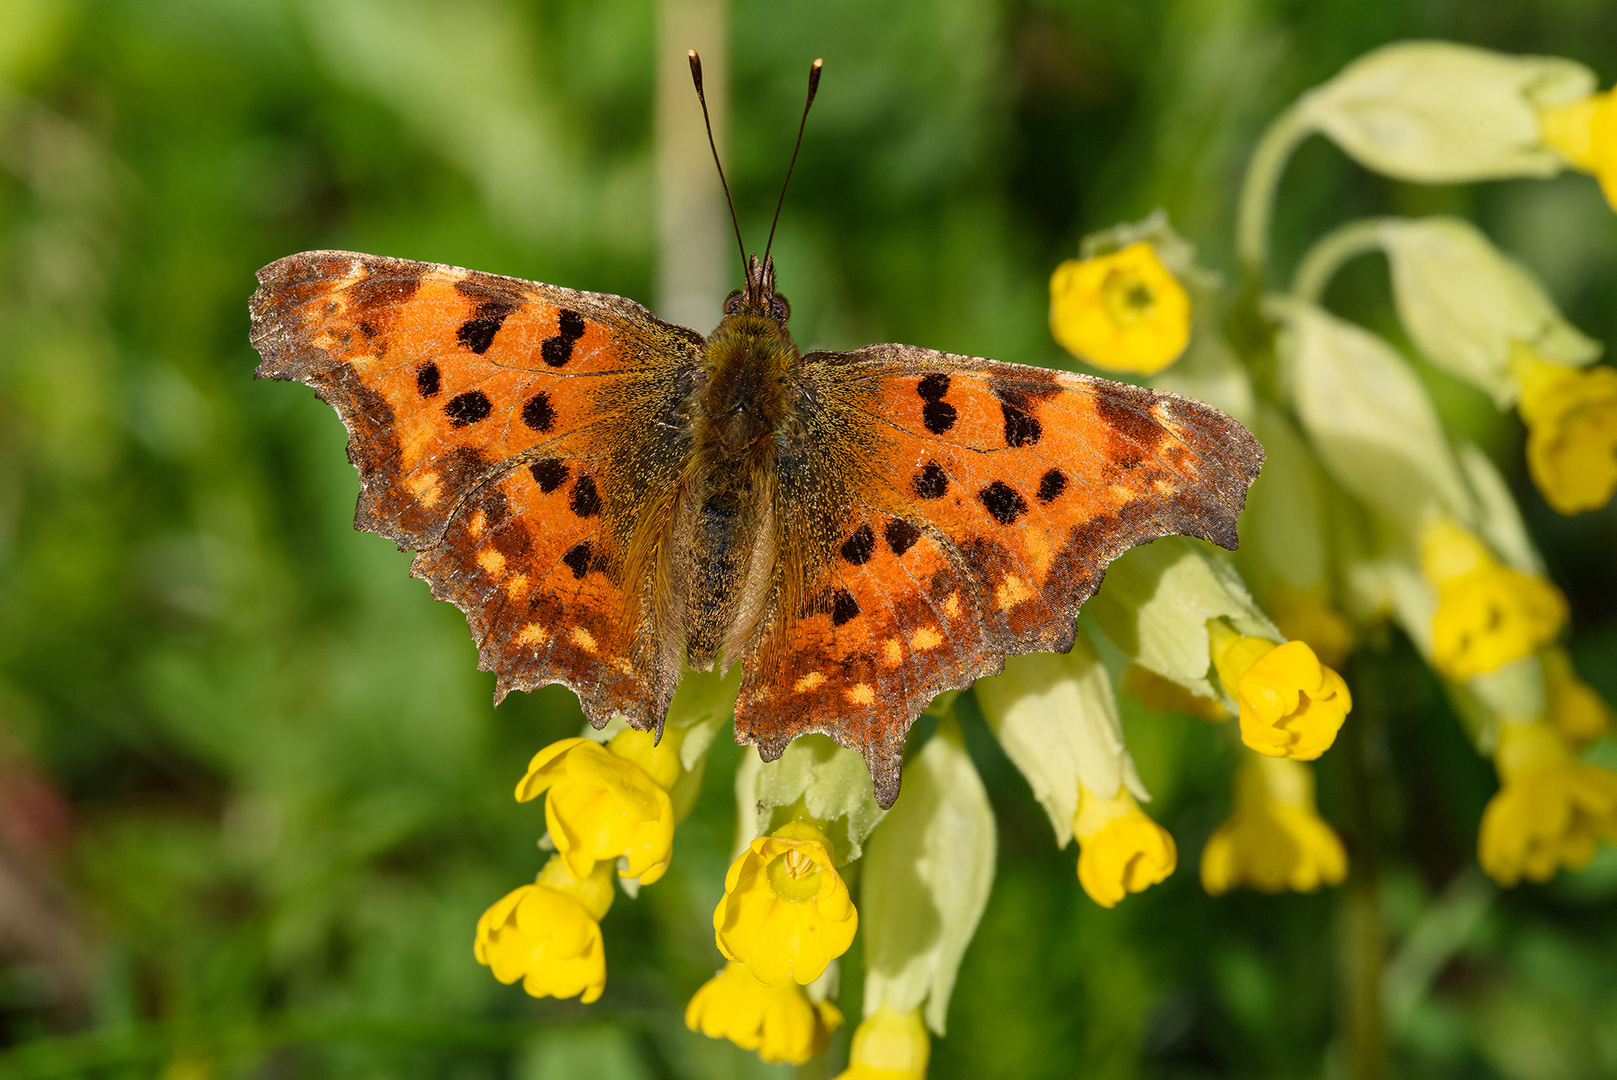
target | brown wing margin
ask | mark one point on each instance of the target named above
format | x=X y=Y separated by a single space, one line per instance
x=1019 y=486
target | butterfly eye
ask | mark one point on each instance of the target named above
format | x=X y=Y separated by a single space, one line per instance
x=732 y=303
x=780 y=308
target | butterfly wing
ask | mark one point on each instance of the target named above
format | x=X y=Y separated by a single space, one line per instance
x=526 y=440
x=943 y=512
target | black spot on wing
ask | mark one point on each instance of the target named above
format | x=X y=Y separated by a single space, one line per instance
x=578 y=558
x=468 y=408
x=1004 y=502
x=427 y=380
x=844 y=608
x=859 y=547
x=1021 y=428
x=585 y=500
x=933 y=387
x=549 y=474
x=538 y=413
x=558 y=348
x=477 y=334
x=931 y=482
x=939 y=416
x=1051 y=485
x=901 y=536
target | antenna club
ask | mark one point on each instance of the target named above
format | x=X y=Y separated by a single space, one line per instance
x=696 y=69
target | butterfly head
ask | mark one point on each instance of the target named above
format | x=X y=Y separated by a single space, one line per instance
x=759 y=297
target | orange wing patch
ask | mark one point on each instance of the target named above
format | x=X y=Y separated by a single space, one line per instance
x=1024 y=483
x=504 y=429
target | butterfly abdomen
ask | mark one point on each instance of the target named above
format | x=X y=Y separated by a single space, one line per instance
x=741 y=405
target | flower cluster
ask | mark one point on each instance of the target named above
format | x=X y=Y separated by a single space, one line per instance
x=1369 y=512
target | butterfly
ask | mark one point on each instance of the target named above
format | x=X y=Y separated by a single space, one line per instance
x=611 y=498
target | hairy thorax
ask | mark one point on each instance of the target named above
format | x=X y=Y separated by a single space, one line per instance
x=742 y=401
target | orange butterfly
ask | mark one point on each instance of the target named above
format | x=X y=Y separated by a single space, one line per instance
x=610 y=498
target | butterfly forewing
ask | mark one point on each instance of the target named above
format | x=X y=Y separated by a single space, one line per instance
x=519 y=436
x=1005 y=491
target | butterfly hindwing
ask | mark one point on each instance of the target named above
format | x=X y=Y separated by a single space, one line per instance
x=519 y=436
x=1018 y=484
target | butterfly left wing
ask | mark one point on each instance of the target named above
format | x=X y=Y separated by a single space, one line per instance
x=946 y=512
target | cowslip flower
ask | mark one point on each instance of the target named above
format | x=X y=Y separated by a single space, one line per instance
x=602 y=805
x=1550 y=811
x=1291 y=704
x=1578 y=713
x=1121 y=850
x=779 y=1022
x=1571 y=418
x=1488 y=615
x=548 y=934
x=1275 y=840
x=786 y=912
x=1584 y=132
x=889 y=1045
x=1123 y=311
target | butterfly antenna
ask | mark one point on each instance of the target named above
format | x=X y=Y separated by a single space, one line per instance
x=696 y=77
x=814 y=84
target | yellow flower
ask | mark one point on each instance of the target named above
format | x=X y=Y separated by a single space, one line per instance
x=548 y=934
x=889 y=1046
x=1123 y=312
x=1121 y=850
x=1585 y=133
x=602 y=806
x=1571 y=418
x=1579 y=714
x=1550 y=811
x=1165 y=695
x=1275 y=840
x=1291 y=704
x=786 y=911
x=780 y=1022
x=1488 y=615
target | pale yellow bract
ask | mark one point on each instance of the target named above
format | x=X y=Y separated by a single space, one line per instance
x=1122 y=312
x=1275 y=840
x=786 y=912
x=779 y=1022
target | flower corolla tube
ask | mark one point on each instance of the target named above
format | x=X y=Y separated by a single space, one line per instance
x=548 y=934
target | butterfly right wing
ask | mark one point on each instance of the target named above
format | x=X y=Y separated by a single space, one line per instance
x=526 y=440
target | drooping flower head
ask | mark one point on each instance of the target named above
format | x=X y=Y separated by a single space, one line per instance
x=1291 y=704
x=1123 y=311
x=780 y=1022
x=889 y=1045
x=1275 y=839
x=1488 y=615
x=602 y=805
x=548 y=934
x=1585 y=133
x=1121 y=850
x=1550 y=811
x=1571 y=417
x=786 y=912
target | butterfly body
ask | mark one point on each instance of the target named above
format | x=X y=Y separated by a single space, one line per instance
x=611 y=498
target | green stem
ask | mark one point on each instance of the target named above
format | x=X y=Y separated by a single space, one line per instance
x=1328 y=254
x=1258 y=189
x=1364 y=944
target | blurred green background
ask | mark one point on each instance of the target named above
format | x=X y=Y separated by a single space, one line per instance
x=253 y=793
